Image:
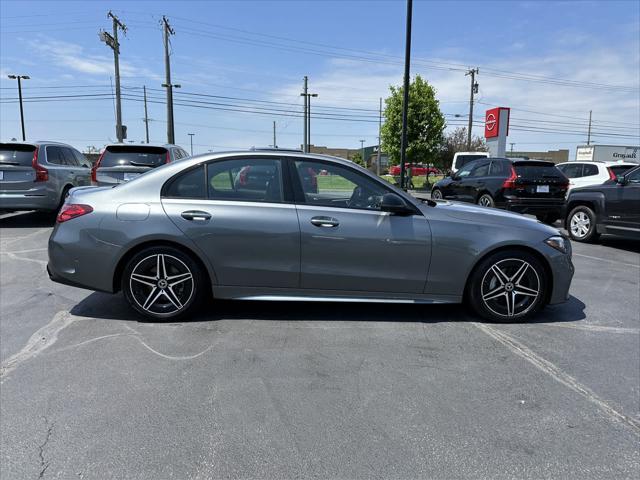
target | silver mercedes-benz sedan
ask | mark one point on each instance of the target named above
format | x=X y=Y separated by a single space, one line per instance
x=278 y=225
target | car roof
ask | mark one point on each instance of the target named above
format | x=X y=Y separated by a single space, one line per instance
x=162 y=145
x=599 y=162
x=38 y=143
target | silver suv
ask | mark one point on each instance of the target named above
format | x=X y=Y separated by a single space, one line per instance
x=120 y=162
x=38 y=175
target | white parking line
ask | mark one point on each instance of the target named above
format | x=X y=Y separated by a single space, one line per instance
x=552 y=370
x=606 y=260
x=594 y=328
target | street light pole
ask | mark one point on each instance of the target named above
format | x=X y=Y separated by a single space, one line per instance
x=191 y=138
x=405 y=101
x=362 y=153
x=20 y=78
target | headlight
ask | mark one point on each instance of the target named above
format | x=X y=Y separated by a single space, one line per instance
x=557 y=242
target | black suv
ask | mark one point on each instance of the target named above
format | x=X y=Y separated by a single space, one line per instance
x=525 y=186
x=613 y=207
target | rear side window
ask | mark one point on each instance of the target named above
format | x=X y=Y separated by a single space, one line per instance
x=134 y=155
x=573 y=170
x=482 y=170
x=190 y=184
x=18 y=155
x=589 y=170
x=245 y=179
x=535 y=170
x=500 y=168
x=56 y=156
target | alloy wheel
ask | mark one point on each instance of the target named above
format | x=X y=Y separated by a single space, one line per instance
x=436 y=195
x=580 y=224
x=485 y=201
x=510 y=287
x=161 y=284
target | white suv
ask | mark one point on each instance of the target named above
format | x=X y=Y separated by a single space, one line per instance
x=582 y=174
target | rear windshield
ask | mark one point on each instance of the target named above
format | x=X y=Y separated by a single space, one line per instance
x=11 y=154
x=537 y=170
x=620 y=169
x=462 y=160
x=137 y=156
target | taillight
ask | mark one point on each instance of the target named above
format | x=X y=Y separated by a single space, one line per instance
x=42 y=174
x=511 y=181
x=73 y=210
x=612 y=176
x=94 y=169
x=168 y=159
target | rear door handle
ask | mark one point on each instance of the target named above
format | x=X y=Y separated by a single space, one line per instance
x=326 y=222
x=196 y=215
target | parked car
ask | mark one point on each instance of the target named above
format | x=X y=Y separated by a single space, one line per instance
x=187 y=229
x=38 y=175
x=526 y=186
x=613 y=207
x=582 y=174
x=460 y=159
x=417 y=169
x=120 y=162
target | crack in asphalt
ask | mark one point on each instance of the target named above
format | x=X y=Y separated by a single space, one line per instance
x=44 y=465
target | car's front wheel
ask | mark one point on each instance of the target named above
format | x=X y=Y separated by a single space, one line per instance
x=436 y=194
x=163 y=283
x=581 y=224
x=508 y=286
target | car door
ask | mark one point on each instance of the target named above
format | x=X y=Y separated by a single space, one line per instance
x=74 y=170
x=84 y=169
x=57 y=166
x=250 y=235
x=623 y=204
x=457 y=185
x=347 y=243
x=475 y=182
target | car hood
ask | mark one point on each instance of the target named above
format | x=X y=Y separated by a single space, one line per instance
x=489 y=216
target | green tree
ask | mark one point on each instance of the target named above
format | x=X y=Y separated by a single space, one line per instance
x=425 y=123
x=357 y=158
x=456 y=141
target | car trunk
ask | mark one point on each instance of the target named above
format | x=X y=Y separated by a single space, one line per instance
x=538 y=179
x=16 y=167
x=121 y=163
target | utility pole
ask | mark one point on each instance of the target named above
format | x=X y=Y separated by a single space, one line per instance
x=362 y=153
x=146 y=115
x=405 y=101
x=379 y=134
x=112 y=41
x=275 y=145
x=474 y=89
x=167 y=30
x=589 y=133
x=191 y=139
x=305 y=148
x=309 y=95
x=512 y=144
x=20 y=78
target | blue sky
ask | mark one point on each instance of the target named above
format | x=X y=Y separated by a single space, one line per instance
x=258 y=52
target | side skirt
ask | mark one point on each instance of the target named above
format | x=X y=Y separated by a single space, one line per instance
x=307 y=295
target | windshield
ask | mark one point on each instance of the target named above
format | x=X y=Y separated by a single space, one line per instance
x=13 y=154
x=137 y=156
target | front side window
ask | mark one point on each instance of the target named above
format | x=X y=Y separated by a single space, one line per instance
x=634 y=177
x=245 y=179
x=466 y=170
x=337 y=186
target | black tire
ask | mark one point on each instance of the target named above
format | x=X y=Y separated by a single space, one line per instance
x=167 y=301
x=581 y=224
x=436 y=194
x=507 y=295
x=486 y=200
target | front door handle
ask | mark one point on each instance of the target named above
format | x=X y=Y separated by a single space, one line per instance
x=196 y=215
x=326 y=222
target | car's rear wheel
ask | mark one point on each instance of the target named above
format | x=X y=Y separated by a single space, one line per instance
x=163 y=283
x=486 y=200
x=508 y=286
x=436 y=194
x=581 y=224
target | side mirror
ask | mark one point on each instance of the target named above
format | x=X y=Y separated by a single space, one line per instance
x=393 y=203
x=620 y=180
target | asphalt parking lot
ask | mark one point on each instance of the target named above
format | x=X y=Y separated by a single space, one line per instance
x=297 y=390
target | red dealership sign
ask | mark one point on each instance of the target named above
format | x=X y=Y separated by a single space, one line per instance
x=492 y=122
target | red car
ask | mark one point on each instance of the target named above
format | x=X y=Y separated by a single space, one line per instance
x=416 y=170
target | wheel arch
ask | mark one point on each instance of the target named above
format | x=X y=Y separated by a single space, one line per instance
x=522 y=248
x=119 y=270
